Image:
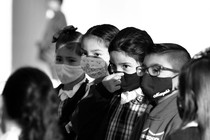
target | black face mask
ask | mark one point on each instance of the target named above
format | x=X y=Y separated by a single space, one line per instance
x=130 y=82
x=156 y=88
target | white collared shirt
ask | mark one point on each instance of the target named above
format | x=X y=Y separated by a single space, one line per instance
x=64 y=94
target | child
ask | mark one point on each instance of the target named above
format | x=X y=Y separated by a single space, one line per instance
x=30 y=107
x=95 y=43
x=127 y=103
x=127 y=51
x=193 y=100
x=72 y=89
x=160 y=70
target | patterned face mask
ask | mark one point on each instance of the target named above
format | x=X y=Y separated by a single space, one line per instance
x=94 y=67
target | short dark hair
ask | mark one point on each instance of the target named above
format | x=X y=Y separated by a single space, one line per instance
x=70 y=37
x=177 y=55
x=133 y=41
x=106 y=32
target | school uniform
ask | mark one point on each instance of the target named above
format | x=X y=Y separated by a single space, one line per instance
x=101 y=115
x=68 y=103
x=158 y=121
x=122 y=117
x=189 y=132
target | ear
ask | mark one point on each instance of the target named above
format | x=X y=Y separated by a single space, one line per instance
x=175 y=82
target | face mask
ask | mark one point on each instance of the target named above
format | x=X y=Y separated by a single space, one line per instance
x=94 y=67
x=67 y=73
x=130 y=82
x=155 y=88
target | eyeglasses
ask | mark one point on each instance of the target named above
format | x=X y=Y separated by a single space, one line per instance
x=153 y=70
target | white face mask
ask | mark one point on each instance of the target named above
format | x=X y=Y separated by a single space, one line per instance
x=94 y=67
x=67 y=73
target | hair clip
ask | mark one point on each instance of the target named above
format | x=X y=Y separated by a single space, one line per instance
x=203 y=53
x=65 y=30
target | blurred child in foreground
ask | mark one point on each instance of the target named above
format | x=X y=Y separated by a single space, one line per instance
x=193 y=100
x=30 y=107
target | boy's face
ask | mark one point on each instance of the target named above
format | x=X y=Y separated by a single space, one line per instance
x=67 y=56
x=162 y=60
x=122 y=62
x=94 y=47
x=158 y=82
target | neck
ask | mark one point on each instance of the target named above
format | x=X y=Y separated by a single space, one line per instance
x=70 y=86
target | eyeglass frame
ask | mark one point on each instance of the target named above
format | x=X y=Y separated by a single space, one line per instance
x=144 y=69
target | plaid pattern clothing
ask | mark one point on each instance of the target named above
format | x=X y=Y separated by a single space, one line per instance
x=122 y=117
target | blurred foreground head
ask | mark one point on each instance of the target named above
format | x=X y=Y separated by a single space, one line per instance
x=30 y=102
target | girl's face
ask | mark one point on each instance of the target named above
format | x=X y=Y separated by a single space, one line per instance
x=93 y=46
x=121 y=62
x=67 y=56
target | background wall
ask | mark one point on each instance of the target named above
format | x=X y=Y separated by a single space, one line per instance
x=6 y=41
x=185 y=22
x=28 y=24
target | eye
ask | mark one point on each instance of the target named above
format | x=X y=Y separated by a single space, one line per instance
x=58 y=59
x=97 y=54
x=154 y=70
x=70 y=60
x=125 y=66
x=84 y=53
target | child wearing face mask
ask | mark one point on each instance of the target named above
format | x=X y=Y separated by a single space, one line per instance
x=127 y=51
x=159 y=73
x=127 y=102
x=95 y=43
x=73 y=81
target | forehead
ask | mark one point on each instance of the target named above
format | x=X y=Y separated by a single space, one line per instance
x=64 y=51
x=120 y=57
x=92 y=43
x=157 y=59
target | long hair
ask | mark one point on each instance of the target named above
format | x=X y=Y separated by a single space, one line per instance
x=194 y=98
x=30 y=101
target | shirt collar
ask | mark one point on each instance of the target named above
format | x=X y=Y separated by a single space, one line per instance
x=64 y=94
x=190 y=124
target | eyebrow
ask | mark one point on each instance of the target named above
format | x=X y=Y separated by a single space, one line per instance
x=96 y=50
x=123 y=63
x=143 y=64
